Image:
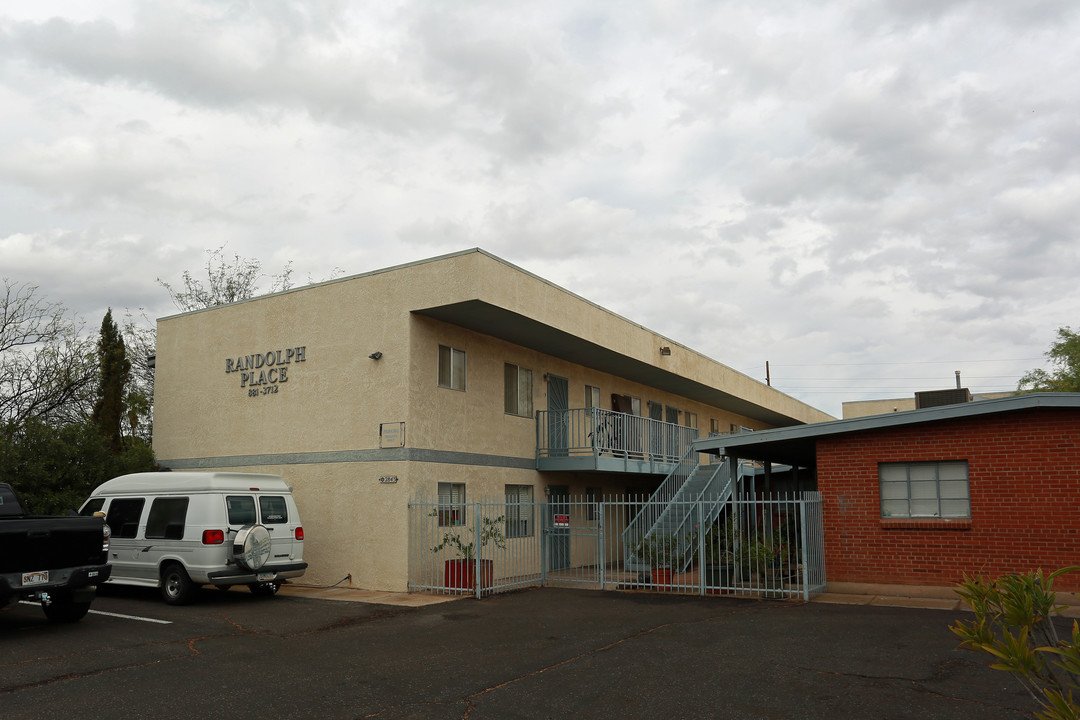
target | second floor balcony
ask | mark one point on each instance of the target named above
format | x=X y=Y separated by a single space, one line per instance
x=608 y=441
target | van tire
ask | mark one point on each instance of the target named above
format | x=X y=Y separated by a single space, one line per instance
x=266 y=589
x=251 y=547
x=64 y=609
x=176 y=586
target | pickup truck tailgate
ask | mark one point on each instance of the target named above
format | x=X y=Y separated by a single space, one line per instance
x=32 y=542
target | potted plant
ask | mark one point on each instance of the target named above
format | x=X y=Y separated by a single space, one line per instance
x=662 y=552
x=718 y=563
x=768 y=561
x=461 y=572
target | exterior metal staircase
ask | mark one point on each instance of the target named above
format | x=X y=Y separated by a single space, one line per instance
x=692 y=496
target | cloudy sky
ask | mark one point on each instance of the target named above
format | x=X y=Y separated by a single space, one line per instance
x=868 y=194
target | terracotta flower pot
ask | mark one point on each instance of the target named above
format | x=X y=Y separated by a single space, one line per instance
x=461 y=574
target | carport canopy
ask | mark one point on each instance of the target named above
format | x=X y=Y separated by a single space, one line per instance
x=797 y=445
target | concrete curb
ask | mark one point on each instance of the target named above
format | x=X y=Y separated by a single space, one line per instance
x=379 y=597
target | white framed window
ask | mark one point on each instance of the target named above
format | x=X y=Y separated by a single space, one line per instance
x=518 y=391
x=519 y=511
x=451 y=504
x=592 y=396
x=451 y=368
x=925 y=489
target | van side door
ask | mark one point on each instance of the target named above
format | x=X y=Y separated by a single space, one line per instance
x=123 y=517
x=166 y=524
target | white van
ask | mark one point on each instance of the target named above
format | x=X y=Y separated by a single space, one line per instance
x=181 y=530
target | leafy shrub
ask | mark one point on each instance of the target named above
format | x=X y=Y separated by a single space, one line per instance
x=1013 y=623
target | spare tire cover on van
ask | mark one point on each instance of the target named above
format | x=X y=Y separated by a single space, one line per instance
x=251 y=547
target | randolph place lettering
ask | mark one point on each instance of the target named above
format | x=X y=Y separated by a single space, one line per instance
x=265 y=368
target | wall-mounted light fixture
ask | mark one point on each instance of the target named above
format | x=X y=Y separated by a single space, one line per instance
x=665 y=350
x=375 y=355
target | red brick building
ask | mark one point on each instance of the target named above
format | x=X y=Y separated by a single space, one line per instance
x=918 y=498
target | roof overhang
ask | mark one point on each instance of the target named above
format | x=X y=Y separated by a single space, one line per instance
x=798 y=445
x=488 y=319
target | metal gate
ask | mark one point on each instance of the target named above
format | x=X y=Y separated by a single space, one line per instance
x=573 y=543
x=765 y=546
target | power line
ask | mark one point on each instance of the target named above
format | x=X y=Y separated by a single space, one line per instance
x=913 y=362
x=893 y=377
x=875 y=388
x=977 y=389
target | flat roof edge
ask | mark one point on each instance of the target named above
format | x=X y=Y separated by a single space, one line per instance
x=895 y=419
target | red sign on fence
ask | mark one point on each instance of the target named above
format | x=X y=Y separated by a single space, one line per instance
x=562 y=521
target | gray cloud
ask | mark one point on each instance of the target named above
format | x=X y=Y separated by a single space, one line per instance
x=832 y=185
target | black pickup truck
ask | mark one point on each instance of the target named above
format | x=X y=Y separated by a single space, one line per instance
x=58 y=561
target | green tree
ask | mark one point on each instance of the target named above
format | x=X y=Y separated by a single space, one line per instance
x=54 y=467
x=1064 y=356
x=56 y=396
x=1014 y=624
x=136 y=407
x=115 y=370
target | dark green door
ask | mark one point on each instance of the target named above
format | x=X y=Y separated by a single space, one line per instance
x=671 y=442
x=656 y=431
x=558 y=392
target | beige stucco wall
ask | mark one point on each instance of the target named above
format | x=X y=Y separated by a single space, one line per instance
x=199 y=407
x=320 y=428
x=479 y=275
x=474 y=420
x=353 y=524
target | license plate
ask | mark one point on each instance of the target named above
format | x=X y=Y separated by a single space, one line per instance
x=265 y=576
x=41 y=577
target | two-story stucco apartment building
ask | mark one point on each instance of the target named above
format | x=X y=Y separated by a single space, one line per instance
x=458 y=376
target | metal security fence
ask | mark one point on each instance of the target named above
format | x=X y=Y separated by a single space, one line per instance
x=766 y=546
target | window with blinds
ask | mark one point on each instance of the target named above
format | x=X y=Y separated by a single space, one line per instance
x=518 y=391
x=519 y=511
x=451 y=368
x=451 y=503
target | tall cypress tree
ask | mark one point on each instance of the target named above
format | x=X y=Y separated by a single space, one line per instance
x=115 y=369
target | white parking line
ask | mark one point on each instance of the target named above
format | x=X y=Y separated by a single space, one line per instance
x=115 y=615
x=131 y=617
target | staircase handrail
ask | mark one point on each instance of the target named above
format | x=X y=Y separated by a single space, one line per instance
x=661 y=497
x=687 y=511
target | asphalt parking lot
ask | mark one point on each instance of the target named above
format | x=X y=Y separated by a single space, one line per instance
x=543 y=653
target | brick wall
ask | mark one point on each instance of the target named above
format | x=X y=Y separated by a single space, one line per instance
x=1024 y=474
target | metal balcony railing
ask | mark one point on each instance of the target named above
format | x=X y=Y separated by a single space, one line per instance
x=598 y=434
